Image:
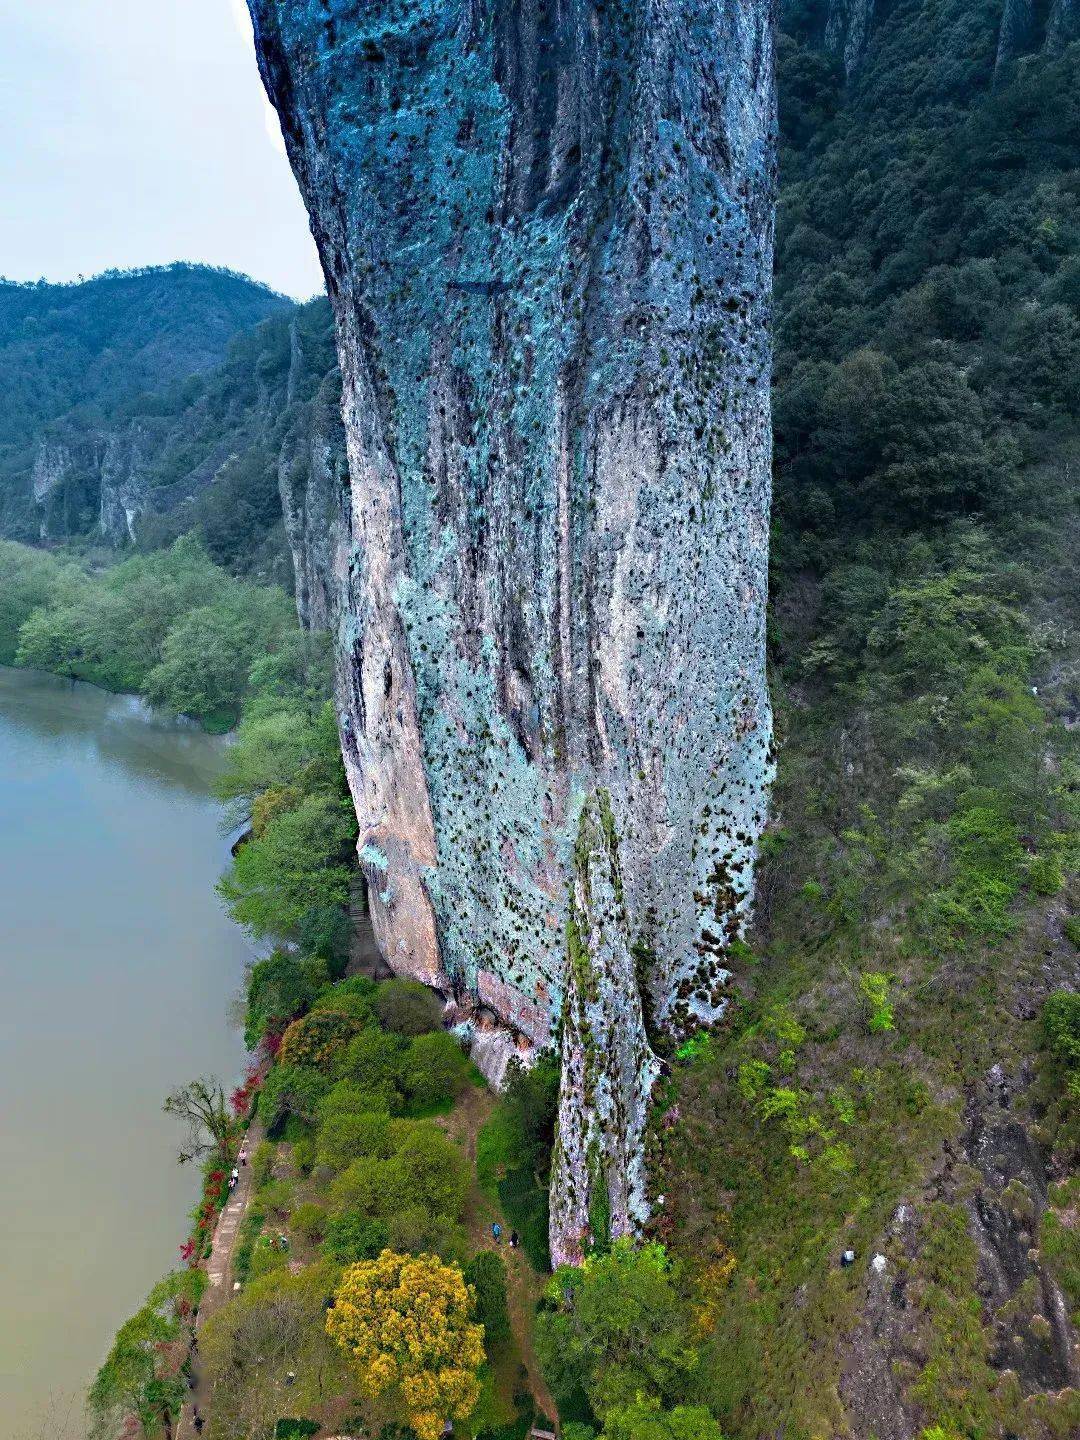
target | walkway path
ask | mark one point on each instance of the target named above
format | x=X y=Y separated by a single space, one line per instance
x=523 y=1284
x=219 y=1271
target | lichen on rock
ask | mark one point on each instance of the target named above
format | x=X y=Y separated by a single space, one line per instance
x=547 y=236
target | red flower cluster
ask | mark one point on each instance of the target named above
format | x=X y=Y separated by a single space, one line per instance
x=242 y=1096
x=215 y=1193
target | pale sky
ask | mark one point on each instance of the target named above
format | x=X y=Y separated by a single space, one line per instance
x=136 y=132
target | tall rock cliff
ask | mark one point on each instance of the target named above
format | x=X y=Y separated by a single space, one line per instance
x=1030 y=25
x=847 y=30
x=546 y=228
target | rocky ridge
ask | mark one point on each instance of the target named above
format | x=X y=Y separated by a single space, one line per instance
x=547 y=238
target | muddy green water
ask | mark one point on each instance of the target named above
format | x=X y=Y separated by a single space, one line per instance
x=117 y=968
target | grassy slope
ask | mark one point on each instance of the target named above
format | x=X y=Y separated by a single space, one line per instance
x=920 y=869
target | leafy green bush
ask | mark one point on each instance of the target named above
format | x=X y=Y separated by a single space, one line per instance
x=279 y=988
x=425 y=1169
x=303 y=1154
x=1044 y=874
x=316 y=1039
x=617 y=1328
x=28 y=580
x=373 y=1061
x=344 y=1137
x=408 y=1008
x=346 y=1097
x=290 y=1091
x=208 y=653
x=309 y=1221
x=262 y=1163
x=351 y=1237
x=300 y=862
x=434 y=1069
x=874 y=987
x=486 y=1273
x=646 y=1420
x=354 y=996
x=1061 y=1027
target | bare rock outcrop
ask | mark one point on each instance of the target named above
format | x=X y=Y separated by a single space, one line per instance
x=547 y=236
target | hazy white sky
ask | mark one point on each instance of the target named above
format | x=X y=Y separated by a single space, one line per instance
x=136 y=132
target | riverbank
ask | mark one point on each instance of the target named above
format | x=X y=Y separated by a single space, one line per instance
x=118 y=969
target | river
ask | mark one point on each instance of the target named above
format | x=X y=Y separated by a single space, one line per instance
x=117 y=969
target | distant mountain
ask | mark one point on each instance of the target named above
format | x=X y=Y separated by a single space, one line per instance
x=250 y=457
x=74 y=358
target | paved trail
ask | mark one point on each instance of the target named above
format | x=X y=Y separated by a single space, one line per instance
x=219 y=1270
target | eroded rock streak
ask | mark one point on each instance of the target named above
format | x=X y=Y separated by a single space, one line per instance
x=546 y=228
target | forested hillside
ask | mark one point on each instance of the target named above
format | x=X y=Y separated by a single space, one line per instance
x=895 y=1082
x=74 y=361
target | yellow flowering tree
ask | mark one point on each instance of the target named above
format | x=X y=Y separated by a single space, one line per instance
x=404 y=1322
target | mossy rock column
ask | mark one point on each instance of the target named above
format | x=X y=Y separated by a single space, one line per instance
x=547 y=237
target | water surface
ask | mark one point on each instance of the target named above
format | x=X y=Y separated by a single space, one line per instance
x=117 y=968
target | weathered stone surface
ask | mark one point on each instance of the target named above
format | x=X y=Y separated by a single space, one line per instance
x=1027 y=26
x=313 y=483
x=547 y=236
x=842 y=28
x=106 y=464
x=123 y=485
x=847 y=30
x=1063 y=24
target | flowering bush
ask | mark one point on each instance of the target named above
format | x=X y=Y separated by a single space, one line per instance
x=204 y=1216
x=241 y=1098
x=318 y=1038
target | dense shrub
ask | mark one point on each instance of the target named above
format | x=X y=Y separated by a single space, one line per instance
x=290 y=1090
x=1061 y=1027
x=318 y=1038
x=279 y=988
x=617 y=1328
x=434 y=1069
x=486 y=1273
x=345 y=1137
x=351 y=1236
x=408 y=1008
x=373 y=1062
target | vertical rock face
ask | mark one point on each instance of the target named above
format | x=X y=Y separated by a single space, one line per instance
x=313 y=484
x=839 y=27
x=123 y=488
x=546 y=227
x=1031 y=25
x=847 y=30
x=106 y=466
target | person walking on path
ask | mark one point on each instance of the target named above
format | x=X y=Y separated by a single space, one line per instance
x=496 y=1230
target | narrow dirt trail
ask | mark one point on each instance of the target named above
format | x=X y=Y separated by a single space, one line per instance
x=523 y=1285
x=219 y=1272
